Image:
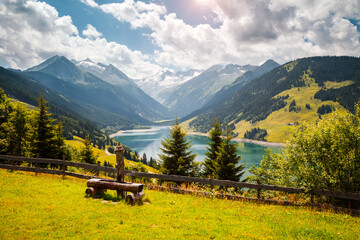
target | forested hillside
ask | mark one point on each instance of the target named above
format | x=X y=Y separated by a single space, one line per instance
x=287 y=95
x=27 y=90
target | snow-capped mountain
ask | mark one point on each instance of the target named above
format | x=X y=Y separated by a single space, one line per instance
x=165 y=80
x=194 y=93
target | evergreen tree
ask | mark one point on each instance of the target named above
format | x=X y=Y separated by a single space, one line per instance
x=226 y=166
x=176 y=157
x=136 y=156
x=214 y=144
x=86 y=153
x=144 y=159
x=43 y=140
x=151 y=162
x=60 y=142
x=18 y=127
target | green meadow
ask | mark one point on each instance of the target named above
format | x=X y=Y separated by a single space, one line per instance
x=47 y=207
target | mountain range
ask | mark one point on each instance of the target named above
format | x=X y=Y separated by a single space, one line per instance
x=269 y=97
x=289 y=94
x=196 y=92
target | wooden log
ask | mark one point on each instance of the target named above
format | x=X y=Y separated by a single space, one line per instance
x=93 y=191
x=114 y=185
x=134 y=198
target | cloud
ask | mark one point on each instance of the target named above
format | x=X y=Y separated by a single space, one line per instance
x=91 y=3
x=32 y=31
x=91 y=32
x=249 y=31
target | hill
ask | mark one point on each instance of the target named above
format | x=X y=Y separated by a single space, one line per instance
x=27 y=90
x=48 y=207
x=294 y=92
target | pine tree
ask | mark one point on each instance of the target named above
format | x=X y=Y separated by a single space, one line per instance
x=176 y=157
x=226 y=165
x=43 y=142
x=144 y=159
x=86 y=153
x=214 y=144
x=151 y=162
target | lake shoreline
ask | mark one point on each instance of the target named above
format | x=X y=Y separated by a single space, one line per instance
x=262 y=143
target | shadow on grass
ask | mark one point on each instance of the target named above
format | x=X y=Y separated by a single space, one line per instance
x=113 y=197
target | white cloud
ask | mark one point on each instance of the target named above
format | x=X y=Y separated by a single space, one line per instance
x=32 y=31
x=91 y=32
x=91 y=3
x=250 y=31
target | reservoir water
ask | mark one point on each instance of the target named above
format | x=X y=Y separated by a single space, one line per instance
x=148 y=141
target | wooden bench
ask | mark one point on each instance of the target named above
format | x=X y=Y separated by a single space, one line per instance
x=96 y=185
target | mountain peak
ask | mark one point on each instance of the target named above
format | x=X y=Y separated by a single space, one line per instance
x=45 y=63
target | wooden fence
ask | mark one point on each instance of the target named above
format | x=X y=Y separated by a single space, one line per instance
x=175 y=178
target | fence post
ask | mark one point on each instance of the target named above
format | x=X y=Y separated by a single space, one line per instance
x=97 y=170
x=211 y=178
x=258 y=190
x=36 y=164
x=120 y=165
x=13 y=165
x=63 y=167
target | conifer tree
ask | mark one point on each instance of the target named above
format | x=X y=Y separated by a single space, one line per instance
x=226 y=165
x=151 y=162
x=214 y=144
x=86 y=153
x=43 y=142
x=176 y=157
x=144 y=159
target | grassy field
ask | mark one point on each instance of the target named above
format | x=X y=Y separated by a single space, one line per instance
x=47 y=207
x=102 y=156
x=280 y=124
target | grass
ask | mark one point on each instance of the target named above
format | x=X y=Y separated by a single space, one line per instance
x=279 y=124
x=102 y=156
x=47 y=207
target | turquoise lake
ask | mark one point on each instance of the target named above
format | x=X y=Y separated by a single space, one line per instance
x=148 y=141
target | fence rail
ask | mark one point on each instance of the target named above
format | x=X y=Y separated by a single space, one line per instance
x=174 y=178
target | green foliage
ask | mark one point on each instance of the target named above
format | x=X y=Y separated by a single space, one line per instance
x=321 y=155
x=176 y=157
x=86 y=154
x=44 y=137
x=226 y=165
x=269 y=171
x=144 y=159
x=214 y=145
x=324 y=109
x=111 y=149
x=292 y=106
x=346 y=95
x=256 y=134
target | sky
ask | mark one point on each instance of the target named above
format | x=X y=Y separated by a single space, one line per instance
x=144 y=37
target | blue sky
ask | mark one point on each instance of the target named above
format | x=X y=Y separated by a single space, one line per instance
x=142 y=38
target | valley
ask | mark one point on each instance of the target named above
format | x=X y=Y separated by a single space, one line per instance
x=244 y=97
